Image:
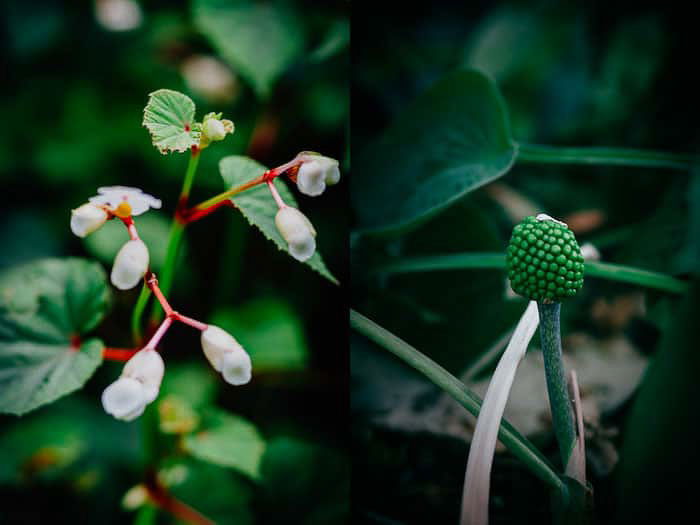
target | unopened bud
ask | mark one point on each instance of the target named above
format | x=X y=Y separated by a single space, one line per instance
x=86 y=219
x=130 y=264
x=299 y=233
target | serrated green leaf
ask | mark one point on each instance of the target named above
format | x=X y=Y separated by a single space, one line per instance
x=271 y=333
x=45 y=306
x=454 y=139
x=169 y=116
x=258 y=206
x=259 y=40
x=228 y=441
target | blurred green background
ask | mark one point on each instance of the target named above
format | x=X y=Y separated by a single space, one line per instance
x=76 y=76
x=572 y=74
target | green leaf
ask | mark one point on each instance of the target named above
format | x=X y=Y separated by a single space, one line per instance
x=271 y=333
x=153 y=227
x=258 y=206
x=219 y=494
x=260 y=40
x=661 y=432
x=454 y=139
x=44 y=307
x=66 y=440
x=169 y=117
x=228 y=441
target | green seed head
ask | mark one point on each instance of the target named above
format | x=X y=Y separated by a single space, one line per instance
x=544 y=261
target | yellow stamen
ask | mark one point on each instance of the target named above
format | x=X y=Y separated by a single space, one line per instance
x=123 y=210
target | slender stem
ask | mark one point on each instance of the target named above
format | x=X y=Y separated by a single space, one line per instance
x=509 y=436
x=605 y=156
x=118 y=354
x=497 y=261
x=230 y=193
x=174 y=238
x=165 y=501
x=152 y=283
x=189 y=321
x=167 y=275
x=141 y=304
x=189 y=174
x=275 y=194
x=265 y=177
x=559 y=402
x=195 y=214
x=159 y=334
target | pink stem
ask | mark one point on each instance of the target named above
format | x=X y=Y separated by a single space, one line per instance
x=152 y=283
x=276 y=195
x=131 y=228
x=189 y=321
x=159 y=334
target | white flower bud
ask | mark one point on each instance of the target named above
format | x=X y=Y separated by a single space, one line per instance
x=125 y=399
x=236 y=367
x=130 y=264
x=86 y=219
x=299 y=233
x=147 y=367
x=226 y=355
x=317 y=172
x=214 y=130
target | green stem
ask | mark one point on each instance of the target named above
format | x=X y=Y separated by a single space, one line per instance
x=497 y=261
x=605 y=157
x=509 y=436
x=167 y=274
x=141 y=303
x=559 y=402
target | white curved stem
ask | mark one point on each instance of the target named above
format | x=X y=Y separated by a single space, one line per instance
x=477 y=481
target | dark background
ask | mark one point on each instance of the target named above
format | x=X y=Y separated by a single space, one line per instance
x=577 y=74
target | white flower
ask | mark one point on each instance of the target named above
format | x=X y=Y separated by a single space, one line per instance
x=226 y=355
x=86 y=219
x=475 y=496
x=124 y=399
x=147 y=367
x=213 y=129
x=138 y=386
x=299 y=233
x=124 y=201
x=130 y=264
x=315 y=173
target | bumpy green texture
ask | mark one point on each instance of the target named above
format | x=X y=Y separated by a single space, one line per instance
x=544 y=261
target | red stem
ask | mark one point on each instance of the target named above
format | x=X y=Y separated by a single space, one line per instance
x=160 y=496
x=194 y=214
x=118 y=354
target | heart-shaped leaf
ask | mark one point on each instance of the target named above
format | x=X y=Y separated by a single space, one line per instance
x=454 y=139
x=45 y=308
x=228 y=441
x=258 y=206
x=260 y=40
x=169 y=117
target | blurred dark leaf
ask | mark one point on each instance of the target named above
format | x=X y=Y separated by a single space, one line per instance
x=228 y=441
x=215 y=492
x=270 y=331
x=260 y=40
x=451 y=141
x=661 y=430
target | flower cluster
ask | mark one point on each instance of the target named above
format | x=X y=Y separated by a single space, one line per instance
x=140 y=380
x=313 y=172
